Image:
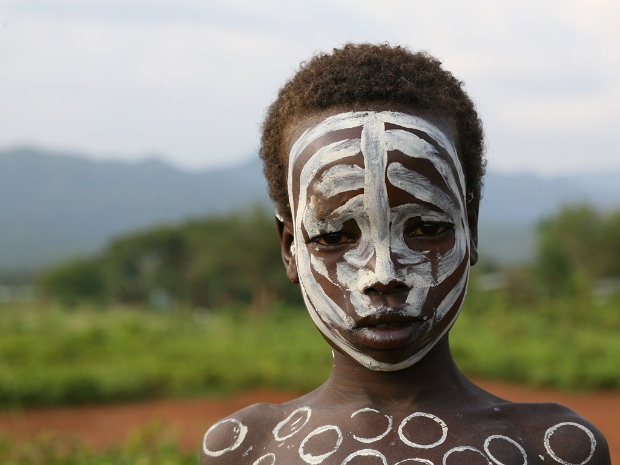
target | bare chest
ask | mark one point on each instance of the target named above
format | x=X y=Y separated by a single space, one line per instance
x=304 y=435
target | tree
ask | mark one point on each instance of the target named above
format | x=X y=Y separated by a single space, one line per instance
x=576 y=247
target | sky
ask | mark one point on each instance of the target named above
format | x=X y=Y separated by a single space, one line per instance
x=188 y=81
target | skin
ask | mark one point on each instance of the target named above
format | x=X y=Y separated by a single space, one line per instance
x=368 y=413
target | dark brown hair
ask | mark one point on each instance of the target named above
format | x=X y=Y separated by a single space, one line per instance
x=361 y=74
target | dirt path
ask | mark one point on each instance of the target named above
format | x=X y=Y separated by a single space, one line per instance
x=102 y=426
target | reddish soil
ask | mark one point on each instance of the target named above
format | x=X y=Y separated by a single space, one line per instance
x=102 y=426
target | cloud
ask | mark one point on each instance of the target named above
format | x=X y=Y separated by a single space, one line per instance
x=191 y=79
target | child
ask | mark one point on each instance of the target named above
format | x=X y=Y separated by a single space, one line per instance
x=374 y=160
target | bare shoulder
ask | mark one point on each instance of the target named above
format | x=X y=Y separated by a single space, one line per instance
x=247 y=434
x=551 y=430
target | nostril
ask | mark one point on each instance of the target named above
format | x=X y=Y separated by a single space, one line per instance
x=371 y=291
x=389 y=288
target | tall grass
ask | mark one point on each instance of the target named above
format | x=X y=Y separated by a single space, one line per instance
x=50 y=355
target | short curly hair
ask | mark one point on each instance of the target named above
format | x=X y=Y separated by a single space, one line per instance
x=359 y=75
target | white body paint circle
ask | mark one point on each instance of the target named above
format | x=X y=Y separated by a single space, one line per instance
x=263 y=460
x=427 y=462
x=505 y=438
x=439 y=421
x=279 y=426
x=382 y=227
x=461 y=449
x=241 y=430
x=315 y=459
x=365 y=453
x=553 y=455
x=376 y=438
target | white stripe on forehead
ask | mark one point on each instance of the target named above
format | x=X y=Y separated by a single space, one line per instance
x=328 y=154
x=422 y=188
x=355 y=119
x=340 y=178
x=412 y=146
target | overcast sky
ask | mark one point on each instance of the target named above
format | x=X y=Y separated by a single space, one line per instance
x=188 y=81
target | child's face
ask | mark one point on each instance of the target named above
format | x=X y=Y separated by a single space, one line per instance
x=382 y=240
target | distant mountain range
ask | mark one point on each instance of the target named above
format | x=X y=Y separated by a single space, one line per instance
x=55 y=206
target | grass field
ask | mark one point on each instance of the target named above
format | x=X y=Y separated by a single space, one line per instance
x=151 y=445
x=54 y=356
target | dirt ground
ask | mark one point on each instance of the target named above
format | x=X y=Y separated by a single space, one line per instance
x=102 y=426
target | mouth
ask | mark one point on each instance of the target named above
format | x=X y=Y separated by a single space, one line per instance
x=388 y=331
x=385 y=325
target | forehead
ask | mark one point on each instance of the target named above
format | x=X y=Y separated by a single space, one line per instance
x=361 y=138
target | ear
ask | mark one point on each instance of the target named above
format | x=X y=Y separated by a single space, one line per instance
x=285 y=229
x=472 y=219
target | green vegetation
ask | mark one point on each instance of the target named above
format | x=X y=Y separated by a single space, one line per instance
x=211 y=262
x=577 y=247
x=50 y=355
x=568 y=342
x=148 y=446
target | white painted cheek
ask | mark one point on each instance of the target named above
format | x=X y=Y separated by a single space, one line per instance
x=421 y=187
x=416 y=261
x=416 y=267
x=449 y=262
x=416 y=300
x=318 y=300
x=319 y=266
x=448 y=302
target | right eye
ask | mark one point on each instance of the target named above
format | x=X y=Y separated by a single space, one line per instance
x=332 y=239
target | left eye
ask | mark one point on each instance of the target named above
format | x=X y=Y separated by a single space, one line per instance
x=428 y=229
x=331 y=239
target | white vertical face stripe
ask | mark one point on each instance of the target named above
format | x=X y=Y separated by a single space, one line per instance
x=380 y=254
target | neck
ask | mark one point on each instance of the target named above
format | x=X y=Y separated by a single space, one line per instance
x=434 y=378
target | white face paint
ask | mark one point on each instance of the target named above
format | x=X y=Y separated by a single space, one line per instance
x=374 y=189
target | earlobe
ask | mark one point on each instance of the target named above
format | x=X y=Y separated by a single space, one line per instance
x=287 y=242
x=472 y=219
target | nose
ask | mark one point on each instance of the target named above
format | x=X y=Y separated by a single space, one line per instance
x=382 y=278
x=388 y=288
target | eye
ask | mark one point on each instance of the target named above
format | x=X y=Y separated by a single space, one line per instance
x=428 y=229
x=332 y=239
